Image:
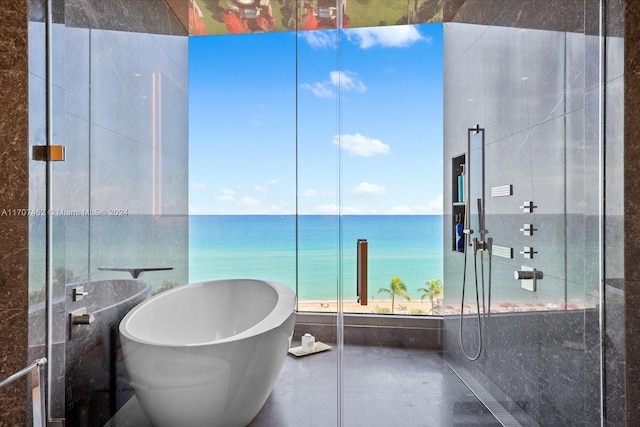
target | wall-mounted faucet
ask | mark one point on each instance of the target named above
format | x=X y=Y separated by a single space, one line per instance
x=135 y=272
x=81 y=317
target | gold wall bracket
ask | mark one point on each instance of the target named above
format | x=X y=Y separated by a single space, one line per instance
x=48 y=153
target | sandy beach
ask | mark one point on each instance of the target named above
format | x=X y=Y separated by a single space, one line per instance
x=381 y=306
x=416 y=307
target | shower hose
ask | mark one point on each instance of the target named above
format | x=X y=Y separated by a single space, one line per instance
x=464 y=285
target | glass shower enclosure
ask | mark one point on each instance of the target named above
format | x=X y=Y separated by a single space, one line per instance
x=112 y=86
x=530 y=333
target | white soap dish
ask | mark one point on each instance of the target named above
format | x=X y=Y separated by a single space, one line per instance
x=319 y=346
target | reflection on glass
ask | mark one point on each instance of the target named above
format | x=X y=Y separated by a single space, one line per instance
x=262 y=16
x=119 y=200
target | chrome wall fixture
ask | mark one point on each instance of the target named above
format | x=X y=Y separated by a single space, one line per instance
x=474 y=199
x=135 y=272
x=502 y=191
x=38 y=396
x=528 y=277
x=528 y=252
x=525 y=274
x=528 y=229
x=528 y=206
x=79 y=293
x=502 y=251
x=79 y=317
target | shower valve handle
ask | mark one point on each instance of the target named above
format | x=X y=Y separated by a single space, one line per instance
x=527 y=206
x=528 y=275
x=79 y=293
x=528 y=252
x=528 y=229
x=529 y=278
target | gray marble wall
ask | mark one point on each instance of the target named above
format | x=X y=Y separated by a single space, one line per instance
x=615 y=334
x=532 y=80
x=631 y=214
x=149 y=16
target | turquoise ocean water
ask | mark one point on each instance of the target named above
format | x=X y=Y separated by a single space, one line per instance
x=265 y=247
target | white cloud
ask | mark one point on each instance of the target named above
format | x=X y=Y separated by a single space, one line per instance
x=360 y=145
x=347 y=81
x=279 y=207
x=249 y=202
x=329 y=209
x=196 y=210
x=435 y=205
x=402 y=210
x=352 y=210
x=320 y=39
x=311 y=193
x=333 y=209
x=368 y=188
x=391 y=36
x=265 y=188
x=408 y=210
x=320 y=89
x=227 y=195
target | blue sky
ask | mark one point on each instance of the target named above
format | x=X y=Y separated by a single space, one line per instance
x=368 y=122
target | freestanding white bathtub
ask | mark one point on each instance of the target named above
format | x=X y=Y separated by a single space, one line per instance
x=208 y=353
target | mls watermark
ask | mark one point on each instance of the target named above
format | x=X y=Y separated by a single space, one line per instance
x=64 y=212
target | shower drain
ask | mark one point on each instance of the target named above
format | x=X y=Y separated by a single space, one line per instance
x=506 y=417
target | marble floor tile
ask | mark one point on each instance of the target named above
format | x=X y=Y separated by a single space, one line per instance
x=382 y=386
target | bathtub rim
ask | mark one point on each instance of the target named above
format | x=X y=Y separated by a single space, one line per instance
x=284 y=308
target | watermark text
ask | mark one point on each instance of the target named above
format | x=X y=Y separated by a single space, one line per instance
x=64 y=212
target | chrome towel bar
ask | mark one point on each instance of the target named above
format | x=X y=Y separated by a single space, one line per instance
x=37 y=389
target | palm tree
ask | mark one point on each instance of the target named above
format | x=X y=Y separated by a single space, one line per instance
x=396 y=288
x=433 y=289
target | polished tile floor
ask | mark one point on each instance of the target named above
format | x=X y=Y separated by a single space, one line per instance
x=381 y=387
